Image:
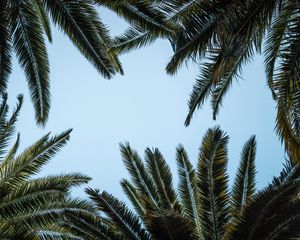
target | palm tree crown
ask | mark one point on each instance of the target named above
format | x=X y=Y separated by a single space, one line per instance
x=34 y=207
x=23 y=28
x=202 y=207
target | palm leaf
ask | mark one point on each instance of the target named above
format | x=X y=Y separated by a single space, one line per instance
x=140 y=177
x=213 y=183
x=31 y=51
x=188 y=190
x=162 y=177
x=244 y=184
x=118 y=212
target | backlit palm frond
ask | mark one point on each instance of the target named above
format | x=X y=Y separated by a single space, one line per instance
x=162 y=178
x=212 y=183
x=286 y=87
x=197 y=32
x=188 y=190
x=135 y=198
x=141 y=178
x=90 y=226
x=244 y=184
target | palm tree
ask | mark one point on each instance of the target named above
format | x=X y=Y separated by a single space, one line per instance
x=33 y=207
x=23 y=28
x=202 y=207
x=224 y=36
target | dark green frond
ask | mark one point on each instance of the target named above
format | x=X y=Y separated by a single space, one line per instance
x=77 y=19
x=135 y=198
x=44 y=19
x=7 y=126
x=141 y=178
x=162 y=178
x=126 y=221
x=270 y=215
x=28 y=41
x=170 y=226
x=212 y=183
x=188 y=190
x=131 y=39
x=244 y=184
x=5 y=46
x=28 y=163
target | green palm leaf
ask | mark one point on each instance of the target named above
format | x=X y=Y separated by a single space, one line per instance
x=139 y=175
x=31 y=51
x=213 y=183
x=188 y=190
x=123 y=217
x=162 y=177
x=5 y=46
x=244 y=184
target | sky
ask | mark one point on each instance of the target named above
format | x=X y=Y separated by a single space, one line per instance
x=145 y=107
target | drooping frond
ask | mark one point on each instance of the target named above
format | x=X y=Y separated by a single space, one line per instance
x=132 y=38
x=244 y=183
x=29 y=44
x=44 y=19
x=212 y=183
x=77 y=19
x=5 y=46
x=139 y=13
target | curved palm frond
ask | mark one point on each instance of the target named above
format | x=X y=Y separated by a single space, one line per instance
x=34 y=208
x=244 y=184
x=126 y=221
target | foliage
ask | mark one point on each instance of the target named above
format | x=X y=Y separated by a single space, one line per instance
x=223 y=36
x=24 y=25
x=34 y=207
x=202 y=207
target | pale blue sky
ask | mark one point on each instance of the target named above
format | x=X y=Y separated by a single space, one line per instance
x=146 y=107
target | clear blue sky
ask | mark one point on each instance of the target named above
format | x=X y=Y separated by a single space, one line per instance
x=146 y=107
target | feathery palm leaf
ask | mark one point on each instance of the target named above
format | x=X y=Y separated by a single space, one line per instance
x=34 y=207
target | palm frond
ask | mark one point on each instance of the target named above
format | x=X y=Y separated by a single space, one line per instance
x=162 y=178
x=75 y=19
x=5 y=46
x=244 y=183
x=170 y=225
x=212 y=183
x=31 y=51
x=120 y=214
x=140 y=177
x=188 y=190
